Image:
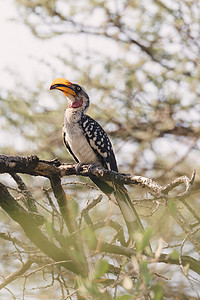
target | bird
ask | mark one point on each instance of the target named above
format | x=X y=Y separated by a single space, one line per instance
x=88 y=143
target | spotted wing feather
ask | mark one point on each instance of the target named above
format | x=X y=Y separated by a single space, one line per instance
x=99 y=142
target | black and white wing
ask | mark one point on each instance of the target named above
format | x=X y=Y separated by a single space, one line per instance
x=99 y=142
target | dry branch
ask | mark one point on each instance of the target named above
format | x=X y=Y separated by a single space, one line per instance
x=34 y=166
x=16 y=274
x=62 y=201
x=25 y=191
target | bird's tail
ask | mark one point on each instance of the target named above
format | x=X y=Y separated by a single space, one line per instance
x=128 y=210
x=124 y=202
x=126 y=206
x=129 y=213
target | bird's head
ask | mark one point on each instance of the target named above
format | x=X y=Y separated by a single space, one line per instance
x=77 y=96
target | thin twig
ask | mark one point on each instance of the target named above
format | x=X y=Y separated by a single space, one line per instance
x=17 y=274
x=25 y=191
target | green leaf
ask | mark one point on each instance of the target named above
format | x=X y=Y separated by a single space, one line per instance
x=49 y=228
x=124 y=297
x=146 y=237
x=101 y=268
x=158 y=292
x=89 y=237
x=174 y=254
x=172 y=207
x=142 y=239
x=145 y=272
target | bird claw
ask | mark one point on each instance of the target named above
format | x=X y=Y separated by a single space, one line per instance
x=55 y=162
x=78 y=167
x=92 y=166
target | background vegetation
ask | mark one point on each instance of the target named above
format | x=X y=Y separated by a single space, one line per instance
x=139 y=62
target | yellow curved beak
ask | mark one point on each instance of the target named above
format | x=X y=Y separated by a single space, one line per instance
x=63 y=85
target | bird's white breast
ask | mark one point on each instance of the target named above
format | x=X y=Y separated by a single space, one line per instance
x=76 y=139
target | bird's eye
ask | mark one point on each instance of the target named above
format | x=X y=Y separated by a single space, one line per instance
x=78 y=88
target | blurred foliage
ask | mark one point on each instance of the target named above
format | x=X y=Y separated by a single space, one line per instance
x=139 y=62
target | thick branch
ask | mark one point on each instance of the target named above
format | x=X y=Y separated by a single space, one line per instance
x=33 y=166
x=62 y=202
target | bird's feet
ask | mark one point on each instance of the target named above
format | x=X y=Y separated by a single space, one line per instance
x=78 y=167
x=90 y=167
x=55 y=162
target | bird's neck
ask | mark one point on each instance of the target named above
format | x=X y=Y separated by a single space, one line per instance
x=73 y=115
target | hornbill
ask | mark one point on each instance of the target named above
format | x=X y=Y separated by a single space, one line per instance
x=88 y=143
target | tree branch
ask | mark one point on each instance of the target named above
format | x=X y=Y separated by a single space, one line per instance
x=27 y=194
x=34 y=166
x=63 y=202
x=165 y=258
x=16 y=274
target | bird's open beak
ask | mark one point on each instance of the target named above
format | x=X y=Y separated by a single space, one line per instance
x=63 y=85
